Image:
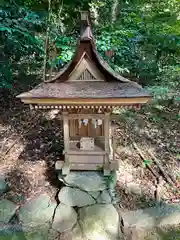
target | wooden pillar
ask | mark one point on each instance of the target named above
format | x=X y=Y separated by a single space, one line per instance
x=113 y=142
x=66 y=166
x=111 y=150
x=106 y=141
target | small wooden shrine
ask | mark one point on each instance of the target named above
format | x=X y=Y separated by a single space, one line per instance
x=86 y=91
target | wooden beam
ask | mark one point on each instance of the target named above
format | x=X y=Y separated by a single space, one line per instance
x=81 y=152
x=106 y=169
x=114 y=117
x=113 y=142
x=86 y=116
x=106 y=143
x=66 y=131
x=106 y=131
x=111 y=150
x=87 y=166
x=59 y=165
x=89 y=101
x=86 y=159
x=66 y=166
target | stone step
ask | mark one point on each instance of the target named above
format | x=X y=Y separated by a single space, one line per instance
x=149 y=218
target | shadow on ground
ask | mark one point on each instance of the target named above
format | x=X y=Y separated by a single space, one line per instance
x=41 y=138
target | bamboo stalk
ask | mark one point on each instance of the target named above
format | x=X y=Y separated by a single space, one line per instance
x=143 y=158
x=157 y=162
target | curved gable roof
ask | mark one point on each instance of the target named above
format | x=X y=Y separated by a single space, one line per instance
x=87 y=45
x=87 y=76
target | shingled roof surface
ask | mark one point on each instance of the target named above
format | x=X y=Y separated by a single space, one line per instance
x=113 y=86
x=87 y=90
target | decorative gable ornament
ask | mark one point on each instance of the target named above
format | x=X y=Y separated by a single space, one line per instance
x=86 y=70
x=87 y=75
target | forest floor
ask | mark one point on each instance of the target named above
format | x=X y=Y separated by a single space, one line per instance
x=31 y=142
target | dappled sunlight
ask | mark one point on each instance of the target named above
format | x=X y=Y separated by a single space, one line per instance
x=3 y=128
x=98 y=236
x=154 y=131
x=11 y=149
x=29 y=144
x=26 y=180
x=15 y=149
x=135 y=181
x=173 y=164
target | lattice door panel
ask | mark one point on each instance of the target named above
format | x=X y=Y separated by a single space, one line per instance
x=86 y=75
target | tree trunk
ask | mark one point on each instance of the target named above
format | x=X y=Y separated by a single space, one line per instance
x=47 y=41
x=114 y=10
x=46 y=53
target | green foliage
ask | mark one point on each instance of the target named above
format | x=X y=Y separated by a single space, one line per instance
x=146 y=39
x=170 y=76
x=146 y=162
x=66 y=48
x=126 y=116
x=145 y=36
x=110 y=180
x=17 y=40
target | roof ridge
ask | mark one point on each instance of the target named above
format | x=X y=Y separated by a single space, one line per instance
x=86 y=45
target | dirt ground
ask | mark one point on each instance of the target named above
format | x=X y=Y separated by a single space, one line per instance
x=31 y=142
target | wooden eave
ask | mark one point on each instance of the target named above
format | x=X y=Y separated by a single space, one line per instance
x=86 y=101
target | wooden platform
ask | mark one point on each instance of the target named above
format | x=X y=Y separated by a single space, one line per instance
x=75 y=149
x=90 y=166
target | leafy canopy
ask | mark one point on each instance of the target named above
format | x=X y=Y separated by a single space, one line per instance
x=145 y=36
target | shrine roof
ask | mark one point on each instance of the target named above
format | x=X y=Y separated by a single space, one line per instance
x=77 y=89
x=87 y=75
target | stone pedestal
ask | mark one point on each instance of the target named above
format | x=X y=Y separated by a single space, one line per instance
x=89 y=195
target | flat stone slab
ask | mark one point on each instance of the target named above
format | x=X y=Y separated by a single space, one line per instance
x=77 y=233
x=104 y=197
x=99 y=222
x=75 y=197
x=52 y=235
x=37 y=211
x=167 y=214
x=7 y=210
x=85 y=180
x=65 y=218
x=94 y=194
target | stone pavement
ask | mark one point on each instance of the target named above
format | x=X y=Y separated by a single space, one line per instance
x=87 y=211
